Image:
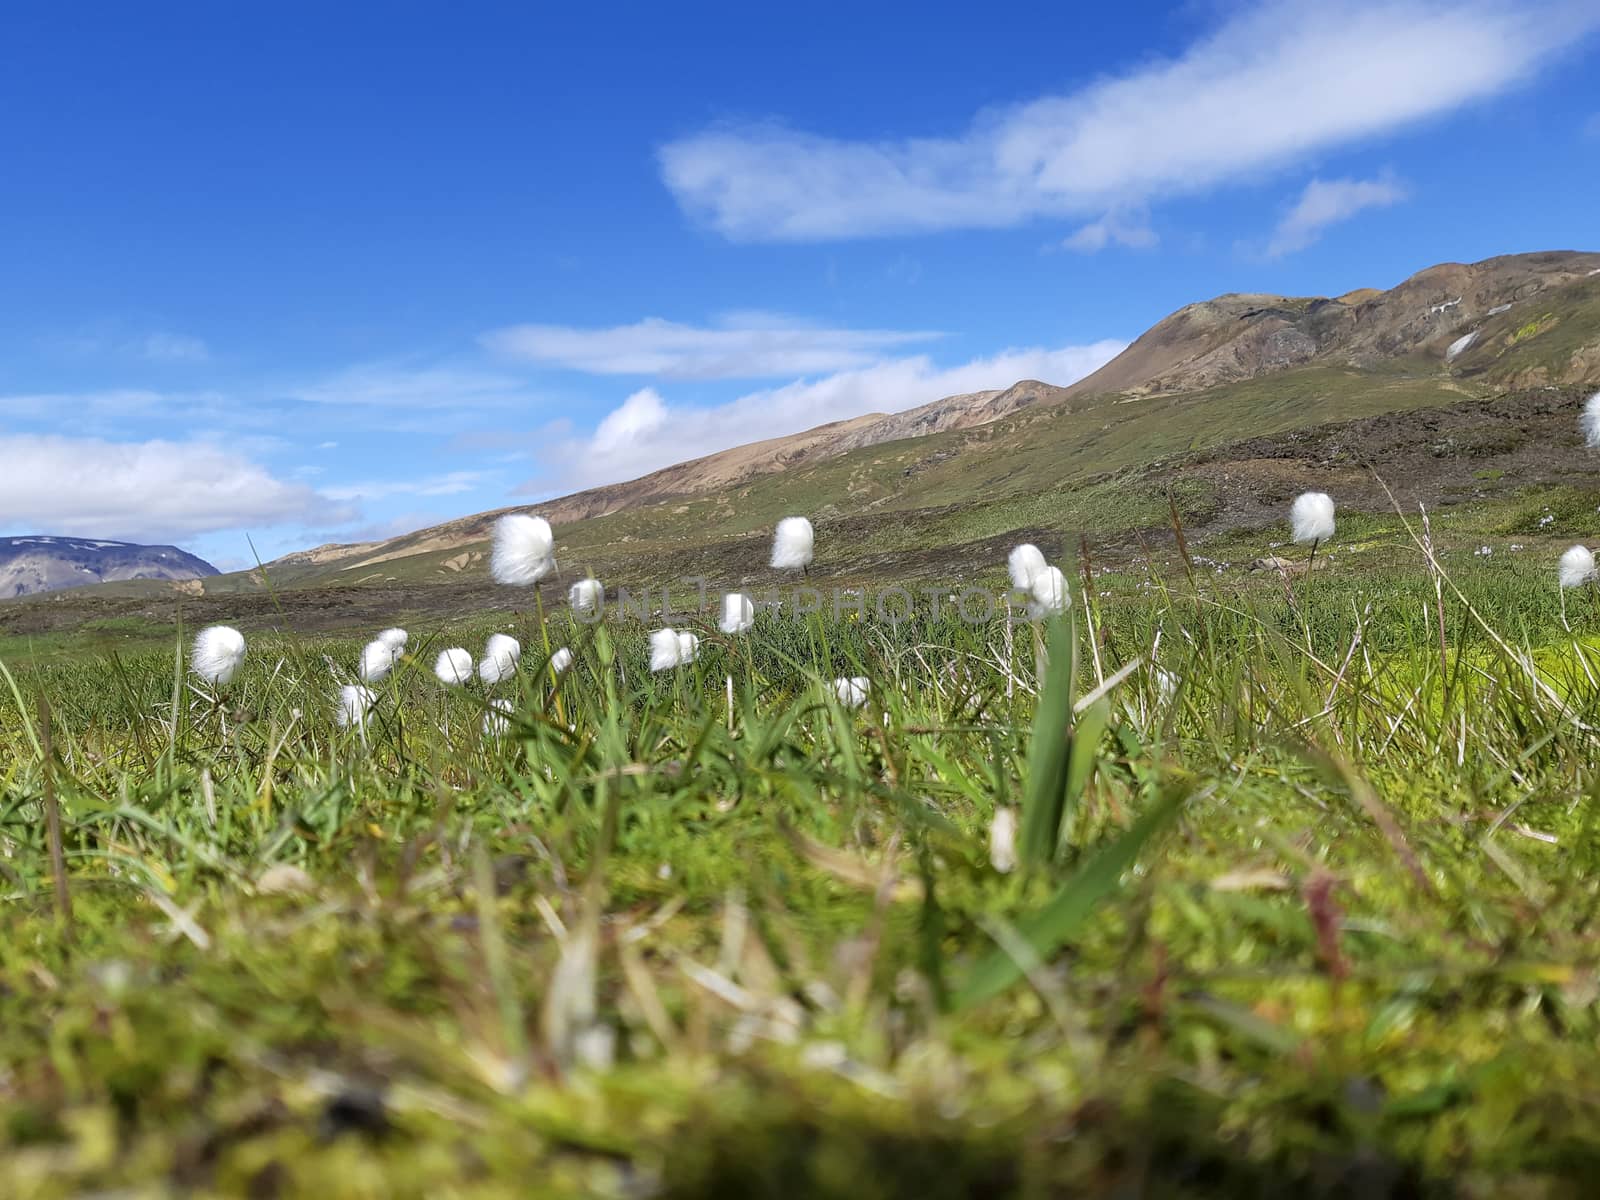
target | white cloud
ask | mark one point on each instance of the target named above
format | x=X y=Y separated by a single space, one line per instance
x=381 y=385
x=143 y=491
x=1326 y=202
x=173 y=348
x=1276 y=82
x=1113 y=229
x=450 y=483
x=740 y=346
x=646 y=433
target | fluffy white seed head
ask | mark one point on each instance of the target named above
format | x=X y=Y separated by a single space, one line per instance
x=663 y=649
x=355 y=703
x=1047 y=595
x=793 y=545
x=377 y=660
x=738 y=613
x=1591 y=422
x=1003 y=840
x=1166 y=685
x=1577 y=567
x=524 y=550
x=453 y=666
x=496 y=721
x=218 y=651
x=852 y=692
x=561 y=661
x=501 y=654
x=586 y=596
x=688 y=647
x=1311 y=517
x=1025 y=564
x=395 y=639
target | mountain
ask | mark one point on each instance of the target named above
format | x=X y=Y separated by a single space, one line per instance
x=1199 y=375
x=50 y=564
x=1461 y=385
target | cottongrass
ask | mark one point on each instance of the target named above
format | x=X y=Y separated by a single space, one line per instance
x=586 y=596
x=738 y=613
x=852 y=692
x=501 y=653
x=453 y=667
x=1003 y=840
x=1026 y=563
x=672 y=648
x=524 y=550
x=354 y=705
x=1590 y=421
x=794 y=544
x=377 y=660
x=1311 y=518
x=1044 y=586
x=1576 y=567
x=497 y=720
x=395 y=639
x=561 y=661
x=217 y=654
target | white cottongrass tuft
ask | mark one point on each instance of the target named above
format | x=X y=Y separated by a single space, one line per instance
x=496 y=721
x=524 y=550
x=1591 y=422
x=1003 y=840
x=561 y=661
x=793 y=545
x=1026 y=564
x=395 y=639
x=586 y=596
x=453 y=666
x=1047 y=595
x=355 y=703
x=501 y=654
x=218 y=651
x=852 y=692
x=1311 y=517
x=1166 y=685
x=688 y=647
x=663 y=649
x=377 y=660
x=738 y=613
x=1576 y=567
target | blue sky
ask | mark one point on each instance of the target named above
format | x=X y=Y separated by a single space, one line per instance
x=303 y=273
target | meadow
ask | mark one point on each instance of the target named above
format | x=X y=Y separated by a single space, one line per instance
x=1301 y=897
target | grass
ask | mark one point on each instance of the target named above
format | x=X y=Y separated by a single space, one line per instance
x=1323 y=920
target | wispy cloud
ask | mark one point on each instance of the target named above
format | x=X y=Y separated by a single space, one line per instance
x=1276 y=82
x=402 y=387
x=1113 y=229
x=646 y=432
x=739 y=346
x=173 y=348
x=1326 y=202
x=144 y=491
x=449 y=483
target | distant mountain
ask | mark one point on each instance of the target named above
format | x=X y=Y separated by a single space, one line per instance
x=1236 y=364
x=51 y=564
